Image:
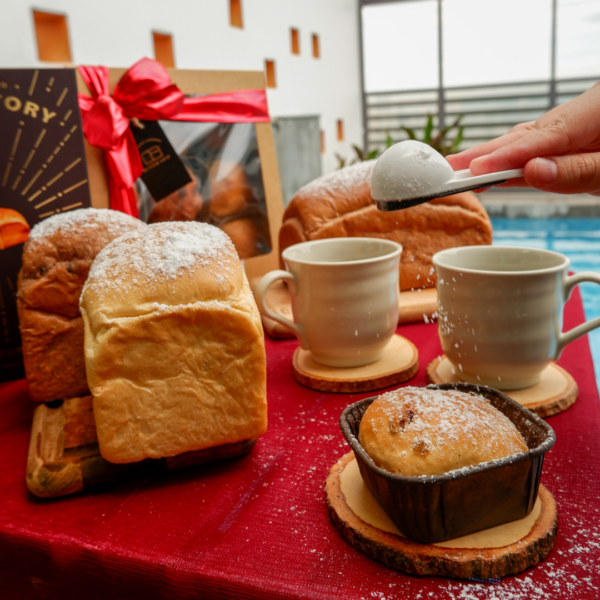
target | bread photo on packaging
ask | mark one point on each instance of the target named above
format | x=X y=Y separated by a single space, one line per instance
x=14 y=228
x=56 y=259
x=340 y=205
x=174 y=345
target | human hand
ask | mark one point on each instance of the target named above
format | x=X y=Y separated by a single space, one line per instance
x=560 y=152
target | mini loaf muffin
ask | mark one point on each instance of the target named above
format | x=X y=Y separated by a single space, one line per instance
x=174 y=345
x=419 y=431
x=56 y=260
x=340 y=205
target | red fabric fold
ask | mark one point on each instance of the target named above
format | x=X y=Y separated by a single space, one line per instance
x=258 y=527
x=145 y=92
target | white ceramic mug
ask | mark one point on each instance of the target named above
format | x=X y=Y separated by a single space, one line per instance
x=344 y=297
x=500 y=312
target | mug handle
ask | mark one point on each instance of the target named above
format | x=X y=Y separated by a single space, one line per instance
x=576 y=332
x=261 y=300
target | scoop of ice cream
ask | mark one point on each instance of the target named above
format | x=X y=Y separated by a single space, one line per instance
x=407 y=170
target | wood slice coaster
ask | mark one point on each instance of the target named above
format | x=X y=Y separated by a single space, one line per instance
x=554 y=393
x=414 y=306
x=399 y=363
x=495 y=552
x=64 y=456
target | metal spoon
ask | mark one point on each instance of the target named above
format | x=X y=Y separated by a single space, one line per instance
x=411 y=172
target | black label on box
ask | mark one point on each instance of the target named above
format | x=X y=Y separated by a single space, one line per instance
x=43 y=172
x=164 y=172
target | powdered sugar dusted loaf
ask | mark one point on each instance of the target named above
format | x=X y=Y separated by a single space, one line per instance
x=141 y=262
x=174 y=344
x=340 y=205
x=56 y=261
x=419 y=431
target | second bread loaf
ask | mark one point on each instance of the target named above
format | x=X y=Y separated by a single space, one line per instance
x=174 y=345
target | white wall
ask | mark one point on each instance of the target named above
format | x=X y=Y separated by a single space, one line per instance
x=119 y=32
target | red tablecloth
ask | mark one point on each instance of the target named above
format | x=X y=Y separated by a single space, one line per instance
x=258 y=527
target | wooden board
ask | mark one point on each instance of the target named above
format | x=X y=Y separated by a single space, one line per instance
x=64 y=456
x=399 y=363
x=414 y=307
x=554 y=393
x=407 y=556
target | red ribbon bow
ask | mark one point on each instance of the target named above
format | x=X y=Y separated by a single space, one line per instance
x=145 y=92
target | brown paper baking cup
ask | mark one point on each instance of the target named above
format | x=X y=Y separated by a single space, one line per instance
x=443 y=507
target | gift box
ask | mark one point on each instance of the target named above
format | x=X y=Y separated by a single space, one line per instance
x=42 y=172
x=216 y=145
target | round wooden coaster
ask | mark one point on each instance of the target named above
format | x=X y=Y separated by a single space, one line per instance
x=495 y=552
x=399 y=363
x=554 y=393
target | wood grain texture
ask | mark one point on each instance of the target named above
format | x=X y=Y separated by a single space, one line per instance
x=414 y=307
x=64 y=456
x=414 y=558
x=399 y=363
x=556 y=391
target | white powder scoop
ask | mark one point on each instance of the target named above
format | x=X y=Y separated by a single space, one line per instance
x=411 y=172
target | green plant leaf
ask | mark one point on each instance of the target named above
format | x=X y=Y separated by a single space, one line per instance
x=439 y=138
x=428 y=130
x=373 y=154
x=341 y=161
x=360 y=153
x=410 y=132
x=389 y=142
x=457 y=141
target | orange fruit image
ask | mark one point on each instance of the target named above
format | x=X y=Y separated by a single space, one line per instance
x=13 y=228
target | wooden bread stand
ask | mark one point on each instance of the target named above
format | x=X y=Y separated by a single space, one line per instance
x=414 y=307
x=399 y=363
x=466 y=557
x=554 y=393
x=64 y=456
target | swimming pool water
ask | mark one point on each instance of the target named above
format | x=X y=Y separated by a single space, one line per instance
x=579 y=239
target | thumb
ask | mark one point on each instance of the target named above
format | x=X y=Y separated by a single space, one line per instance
x=567 y=174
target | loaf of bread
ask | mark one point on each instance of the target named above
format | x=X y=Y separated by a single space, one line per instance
x=419 y=431
x=174 y=346
x=56 y=260
x=340 y=205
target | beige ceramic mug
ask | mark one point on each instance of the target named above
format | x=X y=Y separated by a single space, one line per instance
x=500 y=312
x=344 y=298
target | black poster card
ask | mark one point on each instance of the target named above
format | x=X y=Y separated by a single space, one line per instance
x=43 y=172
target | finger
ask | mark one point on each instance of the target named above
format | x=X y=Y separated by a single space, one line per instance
x=563 y=130
x=572 y=174
x=535 y=143
x=463 y=159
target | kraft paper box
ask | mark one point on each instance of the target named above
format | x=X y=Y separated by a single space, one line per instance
x=202 y=83
x=42 y=172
